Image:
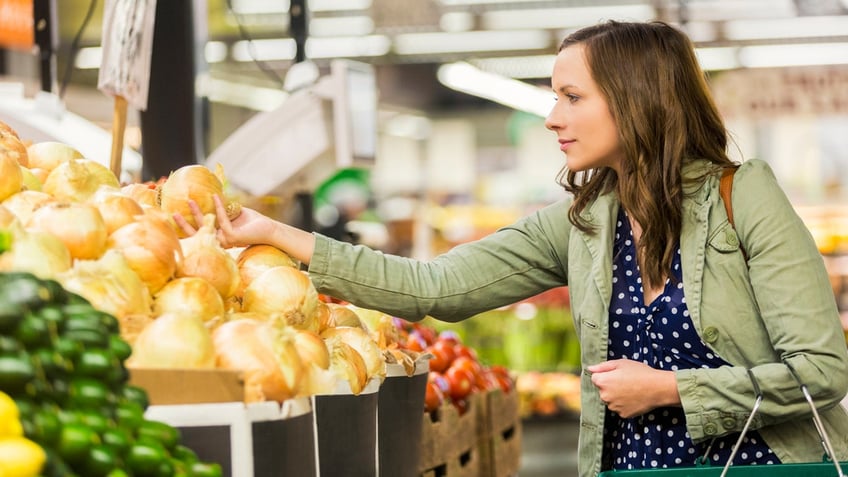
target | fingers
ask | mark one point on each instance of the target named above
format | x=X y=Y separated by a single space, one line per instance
x=196 y=212
x=601 y=367
x=221 y=212
x=184 y=225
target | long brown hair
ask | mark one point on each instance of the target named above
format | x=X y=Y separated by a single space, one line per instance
x=665 y=114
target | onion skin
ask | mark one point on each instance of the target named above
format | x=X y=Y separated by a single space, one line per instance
x=199 y=184
x=80 y=226
x=191 y=296
x=273 y=369
x=11 y=146
x=39 y=253
x=151 y=248
x=173 y=341
x=142 y=194
x=25 y=202
x=285 y=293
x=11 y=178
x=116 y=208
x=48 y=155
x=255 y=259
x=78 y=180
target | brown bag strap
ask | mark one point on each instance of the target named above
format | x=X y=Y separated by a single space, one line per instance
x=725 y=189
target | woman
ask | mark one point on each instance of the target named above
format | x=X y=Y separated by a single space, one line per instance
x=673 y=319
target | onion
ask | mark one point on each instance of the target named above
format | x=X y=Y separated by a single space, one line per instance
x=198 y=183
x=25 y=202
x=80 y=226
x=39 y=253
x=11 y=179
x=312 y=348
x=286 y=293
x=78 y=180
x=151 y=247
x=272 y=368
x=109 y=284
x=341 y=315
x=205 y=258
x=49 y=154
x=255 y=259
x=347 y=364
x=380 y=325
x=29 y=181
x=362 y=342
x=142 y=193
x=173 y=341
x=189 y=296
x=11 y=146
x=7 y=217
x=116 y=208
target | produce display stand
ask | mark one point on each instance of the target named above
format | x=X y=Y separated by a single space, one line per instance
x=450 y=441
x=398 y=425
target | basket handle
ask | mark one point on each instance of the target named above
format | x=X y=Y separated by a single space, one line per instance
x=744 y=431
x=825 y=440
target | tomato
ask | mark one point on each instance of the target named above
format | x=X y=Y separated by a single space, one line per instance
x=467 y=351
x=443 y=355
x=433 y=397
x=440 y=381
x=450 y=336
x=415 y=342
x=429 y=334
x=471 y=365
x=460 y=381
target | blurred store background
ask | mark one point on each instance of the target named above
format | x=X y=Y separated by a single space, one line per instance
x=461 y=149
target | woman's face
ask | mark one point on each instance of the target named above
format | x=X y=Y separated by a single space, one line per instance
x=581 y=118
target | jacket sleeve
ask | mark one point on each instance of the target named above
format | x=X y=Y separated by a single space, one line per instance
x=514 y=263
x=796 y=305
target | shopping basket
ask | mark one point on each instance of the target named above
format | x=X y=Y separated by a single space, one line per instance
x=829 y=467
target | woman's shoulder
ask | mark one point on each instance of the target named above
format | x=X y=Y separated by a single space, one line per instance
x=754 y=173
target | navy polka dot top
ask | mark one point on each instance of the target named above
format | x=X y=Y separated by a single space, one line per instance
x=660 y=334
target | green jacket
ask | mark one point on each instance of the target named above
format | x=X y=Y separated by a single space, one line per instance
x=778 y=307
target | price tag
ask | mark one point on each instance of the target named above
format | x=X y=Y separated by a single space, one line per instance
x=127 y=47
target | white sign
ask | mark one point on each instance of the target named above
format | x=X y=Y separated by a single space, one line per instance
x=127 y=47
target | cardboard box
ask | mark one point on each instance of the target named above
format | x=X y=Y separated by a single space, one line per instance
x=450 y=441
x=500 y=441
x=189 y=386
x=263 y=439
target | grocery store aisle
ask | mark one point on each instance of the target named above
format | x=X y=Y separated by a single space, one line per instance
x=549 y=447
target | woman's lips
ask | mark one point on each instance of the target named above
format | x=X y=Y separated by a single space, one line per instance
x=565 y=143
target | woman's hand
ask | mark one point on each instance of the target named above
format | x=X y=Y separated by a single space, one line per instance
x=252 y=227
x=630 y=388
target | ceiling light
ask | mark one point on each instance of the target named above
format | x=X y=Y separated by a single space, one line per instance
x=563 y=17
x=717 y=59
x=348 y=47
x=515 y=94
x=338 y=5
x=519 y=67
x=341 y=26
x=456 y=21
x=215 y=51
x=766 y=56
x=264 y=50
x=428 y=43
x=242 y=95
x=799 y=27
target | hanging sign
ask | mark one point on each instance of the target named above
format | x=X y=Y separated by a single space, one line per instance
x=127 y=47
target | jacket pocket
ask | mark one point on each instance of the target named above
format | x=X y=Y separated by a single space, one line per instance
x=724 y=239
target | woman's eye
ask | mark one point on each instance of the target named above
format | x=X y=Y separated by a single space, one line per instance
x=572 y=98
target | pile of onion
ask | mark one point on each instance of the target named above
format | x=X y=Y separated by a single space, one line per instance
x=173 y=341
x=79 y=225
x=109 y=284
x=11 y=179
x=203 y=257
x=78 y=180
x=39 y=253
x=191 y=296
x=255 y=259
x=47 y=155
x=151 y=247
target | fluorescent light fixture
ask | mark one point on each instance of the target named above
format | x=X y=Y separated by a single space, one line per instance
x=768 y=56
x=89 y=58
x=260 y=7
x=700 y=32
x=408 y=126
x=481 y=2
x=515 y=94
x=341 y=26
x=710 y=10
x=238 y=94
x=456 y=21
x=264 y=50
x=563 y=17
x=518 y=67
x=348 y=47
x=799 y=27
x=430 y=43
x=215 y=51
x=717 y=59
x=338 y=5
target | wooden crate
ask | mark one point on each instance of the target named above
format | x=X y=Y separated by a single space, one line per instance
x=500 y=442
x=450 y=441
